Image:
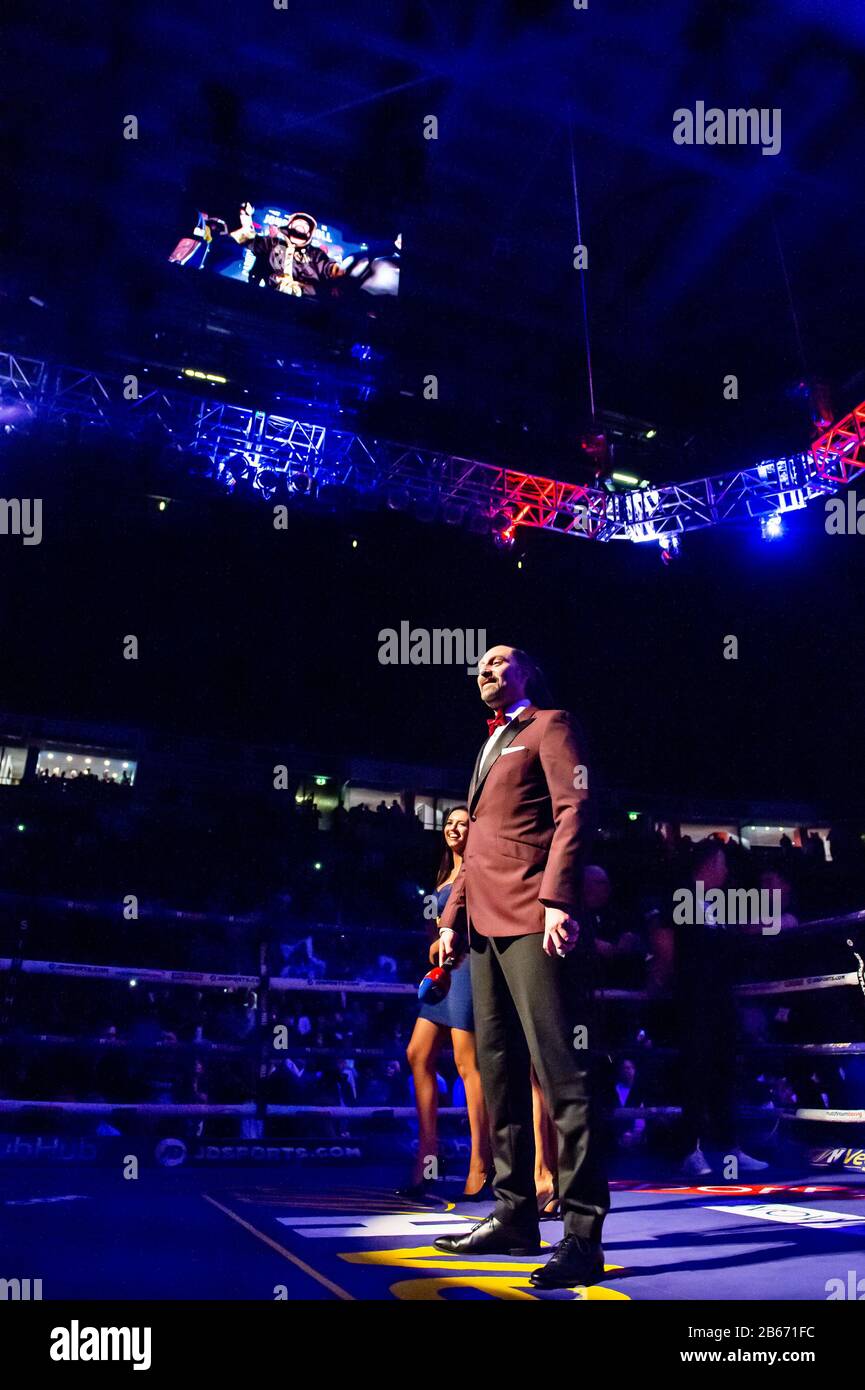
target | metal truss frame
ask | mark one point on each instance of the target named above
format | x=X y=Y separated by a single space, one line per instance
x=839 y=454
x=308 y=456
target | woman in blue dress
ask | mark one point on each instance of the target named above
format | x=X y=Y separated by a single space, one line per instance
x=451 y=1019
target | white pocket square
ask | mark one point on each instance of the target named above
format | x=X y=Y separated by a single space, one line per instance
x=514 y=748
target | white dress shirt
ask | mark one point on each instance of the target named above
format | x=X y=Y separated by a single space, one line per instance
x=510 y=713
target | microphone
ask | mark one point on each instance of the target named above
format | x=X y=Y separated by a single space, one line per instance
x=435 y=984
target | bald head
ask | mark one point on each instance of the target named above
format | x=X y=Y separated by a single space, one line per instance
x=502 y=677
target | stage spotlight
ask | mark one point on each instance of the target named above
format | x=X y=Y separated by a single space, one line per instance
x=298 y=483
x=502 y=527
x=669 y=548
x=232 y=470
x=398 y=499
x=269 y=481
x=771 y=527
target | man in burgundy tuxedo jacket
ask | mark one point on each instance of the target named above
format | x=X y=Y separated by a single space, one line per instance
x=514 y=906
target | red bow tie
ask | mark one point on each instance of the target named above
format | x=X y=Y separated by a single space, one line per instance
x=493 y=724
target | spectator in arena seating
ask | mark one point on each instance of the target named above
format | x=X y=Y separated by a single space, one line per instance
x=296 y=1081
x=773 y=881
x=385 y=1085
x=300 y=961
x=450 y=1019
x=784 y=1093
x=701 y=956
x=754 y=1023
x=629 y=1131
x=815 y=1093
x=396 y=1081
x=348 y=1082
x=385 y=970
x=620 y=948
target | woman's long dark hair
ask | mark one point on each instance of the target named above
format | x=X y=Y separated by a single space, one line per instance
x=446 y=862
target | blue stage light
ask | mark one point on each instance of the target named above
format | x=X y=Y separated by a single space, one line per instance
x=771 y=527
x=669 y=548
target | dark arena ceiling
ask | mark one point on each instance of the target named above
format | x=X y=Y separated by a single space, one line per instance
x=702 y=261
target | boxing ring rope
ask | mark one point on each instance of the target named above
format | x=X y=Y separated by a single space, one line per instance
x=397 y=1112
x=263 y=982
x=209 y=980
x=262 y=1109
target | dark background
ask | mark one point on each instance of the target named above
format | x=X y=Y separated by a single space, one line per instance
x=702 y=262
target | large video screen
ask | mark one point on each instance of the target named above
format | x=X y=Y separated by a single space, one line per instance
x=289 y=252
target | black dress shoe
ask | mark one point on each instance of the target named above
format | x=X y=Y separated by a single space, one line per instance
x=574 y=1261
x=491 y=1237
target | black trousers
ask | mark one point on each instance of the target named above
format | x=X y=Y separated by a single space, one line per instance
x=527 y=1006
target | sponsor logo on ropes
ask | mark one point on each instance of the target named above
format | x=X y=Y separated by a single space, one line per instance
x=170 y=1153
x=46 y=1148
x=853 y=1117
x=841 y=1158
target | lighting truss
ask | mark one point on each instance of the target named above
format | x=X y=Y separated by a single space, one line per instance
x=839 y=454
x=462 y=488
